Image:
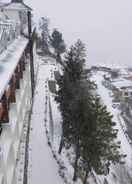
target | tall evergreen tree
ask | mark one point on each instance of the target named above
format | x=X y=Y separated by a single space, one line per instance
x=86 y=124
x=57 y=43
x=81 y=115
x=45 y=37
x=73 y=70
x=72 y=89
x=100 y=147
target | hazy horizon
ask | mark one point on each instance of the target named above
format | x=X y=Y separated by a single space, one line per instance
x=104 y=26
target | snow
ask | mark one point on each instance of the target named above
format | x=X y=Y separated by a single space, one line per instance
x=42 y=166
x=1 y=31
x=122 y=83
x=1 y=178
x=16 y=6
x=67 y=156
x=125 y=145
x=65 y=161
x=9 y=60
x=21 y=154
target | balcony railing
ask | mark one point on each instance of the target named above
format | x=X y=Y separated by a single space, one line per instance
x=8 y=32
x=9 y=95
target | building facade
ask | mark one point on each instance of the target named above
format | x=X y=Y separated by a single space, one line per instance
x=15 y=84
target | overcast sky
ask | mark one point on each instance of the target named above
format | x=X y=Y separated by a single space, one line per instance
x=104 y=25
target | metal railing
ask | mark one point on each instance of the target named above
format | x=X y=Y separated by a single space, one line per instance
x=8 y=33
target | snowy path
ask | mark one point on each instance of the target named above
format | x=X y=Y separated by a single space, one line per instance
x=42 y=167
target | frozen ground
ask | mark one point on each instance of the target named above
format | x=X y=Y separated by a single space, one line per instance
x=21 y=155
x=67 y=156
x=42 y=167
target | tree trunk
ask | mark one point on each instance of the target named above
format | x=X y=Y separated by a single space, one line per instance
x=76 y=162
x=85 y=178
x=61 y=145
x=58 y=58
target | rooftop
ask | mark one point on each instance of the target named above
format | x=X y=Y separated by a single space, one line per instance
x=9 y=60
x=15 y=6
x=122 y=83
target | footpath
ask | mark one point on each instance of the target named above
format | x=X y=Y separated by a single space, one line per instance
x=42 y=167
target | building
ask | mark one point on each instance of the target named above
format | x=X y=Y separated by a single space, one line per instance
x=122 y=89
x=16 y=82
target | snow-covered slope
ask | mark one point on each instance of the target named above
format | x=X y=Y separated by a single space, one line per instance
x=119 y=174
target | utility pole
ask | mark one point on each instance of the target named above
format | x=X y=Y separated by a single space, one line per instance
x=30 y=47
x=31 y=52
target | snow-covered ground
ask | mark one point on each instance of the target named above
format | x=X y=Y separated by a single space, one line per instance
x=67 y=156
x=42 y=166
x=119 y=174
x=21 y=155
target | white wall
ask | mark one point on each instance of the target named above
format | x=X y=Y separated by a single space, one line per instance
x=11 y=134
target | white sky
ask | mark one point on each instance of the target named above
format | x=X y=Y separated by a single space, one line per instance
x=104 y=25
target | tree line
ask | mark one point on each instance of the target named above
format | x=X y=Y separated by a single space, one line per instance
x=87 y=126
x=46 y=41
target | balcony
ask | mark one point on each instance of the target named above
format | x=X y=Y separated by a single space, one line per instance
x=8 y=33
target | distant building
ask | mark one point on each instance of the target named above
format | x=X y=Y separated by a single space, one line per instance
x=17 y=11
x=120 y=82
x=122 y=89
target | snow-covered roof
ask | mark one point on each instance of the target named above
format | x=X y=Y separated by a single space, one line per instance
x=16 y=6
x=124 y=71
x=129 y=90
x=108 y=75
x=9 y=60
x=122 y=83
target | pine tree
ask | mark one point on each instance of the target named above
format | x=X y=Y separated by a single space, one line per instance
x=73 y=69
x=64 y=97
x=81 y=116
x=45 y=37
x=58 y=44
x=75 y=61
x=73 y=89
x=99 y=147
x=86 y=124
